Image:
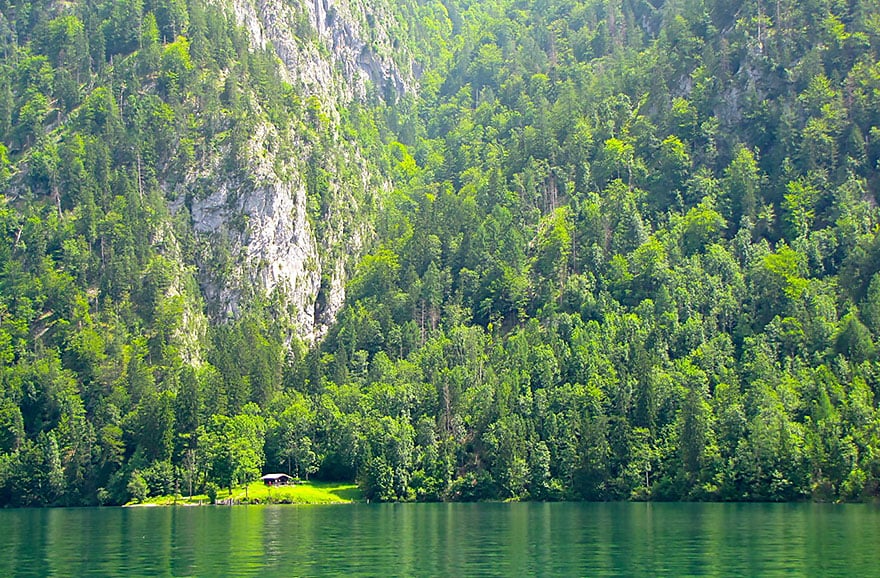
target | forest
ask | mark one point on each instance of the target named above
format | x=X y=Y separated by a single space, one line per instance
x=625 y=250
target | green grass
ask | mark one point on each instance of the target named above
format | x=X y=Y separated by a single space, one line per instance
x=258 y=493
x=304 y=493
x=170 y=501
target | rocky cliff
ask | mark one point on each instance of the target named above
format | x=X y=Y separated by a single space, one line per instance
x=255 y=223
x=332 y=48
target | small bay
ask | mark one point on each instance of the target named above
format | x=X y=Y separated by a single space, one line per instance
x=486 y=539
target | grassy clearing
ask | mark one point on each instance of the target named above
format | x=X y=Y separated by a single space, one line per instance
x=304 y=493
x=180 y=501
x=258 y=493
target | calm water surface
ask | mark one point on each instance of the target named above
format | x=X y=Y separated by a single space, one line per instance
x=445 y=540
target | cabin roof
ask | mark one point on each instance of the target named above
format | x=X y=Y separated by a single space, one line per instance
x=275 y=477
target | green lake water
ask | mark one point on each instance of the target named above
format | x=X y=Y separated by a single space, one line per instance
x=445 y=540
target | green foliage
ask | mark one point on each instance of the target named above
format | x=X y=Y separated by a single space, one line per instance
x=211 y=490
x=609 y=252
x=137 y=487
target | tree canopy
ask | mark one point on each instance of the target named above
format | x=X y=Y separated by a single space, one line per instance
x=612 y=250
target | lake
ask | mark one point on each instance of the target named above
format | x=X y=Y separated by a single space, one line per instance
x=563 y=539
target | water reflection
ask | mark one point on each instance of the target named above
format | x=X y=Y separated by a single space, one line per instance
x=444 y=539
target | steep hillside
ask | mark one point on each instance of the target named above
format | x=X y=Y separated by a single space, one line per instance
x=631 y=255
x=168 y=167
x=453 y=250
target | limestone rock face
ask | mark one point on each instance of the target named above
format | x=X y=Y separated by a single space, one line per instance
x=273 y=246
x=335 y=49
x=257 y=235
x=365 y=54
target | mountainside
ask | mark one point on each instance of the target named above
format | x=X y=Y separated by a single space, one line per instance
x=453 y=250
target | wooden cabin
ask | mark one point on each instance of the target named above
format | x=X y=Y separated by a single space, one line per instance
x=277 y=479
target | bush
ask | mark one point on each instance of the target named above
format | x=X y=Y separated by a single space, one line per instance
x=104 y=497
x=137 y=487
x=211 y=489
x=160 y=478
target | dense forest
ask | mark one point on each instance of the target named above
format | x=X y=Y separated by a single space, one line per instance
x=614 y=250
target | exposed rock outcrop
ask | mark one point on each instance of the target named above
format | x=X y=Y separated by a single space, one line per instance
x=258 y=236
x=331 y=48
x=273 y=245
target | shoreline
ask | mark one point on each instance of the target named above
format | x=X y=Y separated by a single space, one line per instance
x=256 y=493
